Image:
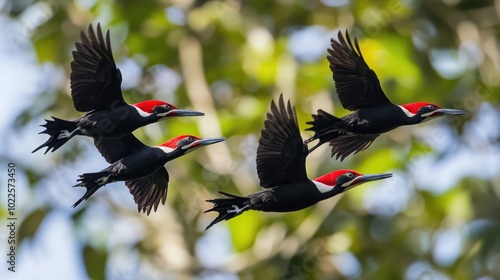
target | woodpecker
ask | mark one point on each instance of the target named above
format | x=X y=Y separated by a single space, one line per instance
x=140 y=166
x=359 y=90
x=95 y=89
x=281 y=158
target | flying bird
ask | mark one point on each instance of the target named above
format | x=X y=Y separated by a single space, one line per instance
x=140 y=166
x=96 y=90
x=359 y=90
x=281 y=159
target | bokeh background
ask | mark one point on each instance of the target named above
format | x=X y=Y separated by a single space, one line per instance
x=437 y=218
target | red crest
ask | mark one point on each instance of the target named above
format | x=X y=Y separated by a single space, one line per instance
x=414 y=107
x=172 y=143
x=331 y=178
x=148 y=105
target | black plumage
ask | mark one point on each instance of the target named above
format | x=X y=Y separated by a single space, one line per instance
x=359 y=90
x=281 y=158
x=95 y=80
x=140 y=166
x=95 y=89
x=281 y=154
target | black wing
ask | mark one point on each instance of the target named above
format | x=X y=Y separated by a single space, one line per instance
x=281 y=155
x=357 y=85
x=95 y=80
x=113 y=149
x=149 y=191
x=347 y=144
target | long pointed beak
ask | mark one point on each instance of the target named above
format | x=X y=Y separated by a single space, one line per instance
x=208 y=141
x=450 y=112
x=372 y=177
x=184 y=113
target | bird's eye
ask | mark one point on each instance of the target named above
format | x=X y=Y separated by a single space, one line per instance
x=350 y=175
x=166 y=106
x=189 y=138
x=431 y=107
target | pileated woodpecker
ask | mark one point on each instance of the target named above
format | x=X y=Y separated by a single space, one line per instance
x=281 y=158
x=359 y=90
x=140 y=166
x=95 y=89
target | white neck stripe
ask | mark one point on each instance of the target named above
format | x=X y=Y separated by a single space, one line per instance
x=322 y=188
x=165 y=149
x=141 y=112
x=408 y=113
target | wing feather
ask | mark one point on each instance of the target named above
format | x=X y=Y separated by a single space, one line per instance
x=95 y=80
x=150 y=191
x=281 y=154
x=347 y=144
x=357 y=85
x=113 y=149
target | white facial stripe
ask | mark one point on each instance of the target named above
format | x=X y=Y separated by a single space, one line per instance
x=348 y=183
x=428 y=114
x=188 y=146
x=408 y=113
x=165 y=149
x=322 y=188
x=141 y=112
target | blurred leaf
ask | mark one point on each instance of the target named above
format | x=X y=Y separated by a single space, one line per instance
x=95 y=262
x=245 y=229
x=29 y=225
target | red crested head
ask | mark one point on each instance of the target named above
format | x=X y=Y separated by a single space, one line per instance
x=174 y=142
x=187 y=143
x=426 y=111
x=342 y=180
x=414 y=107
x=330 y=179
x=148 y=106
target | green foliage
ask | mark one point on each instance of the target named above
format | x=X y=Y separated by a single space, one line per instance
x=31 y=224
x=243 y=54
x=95 y=262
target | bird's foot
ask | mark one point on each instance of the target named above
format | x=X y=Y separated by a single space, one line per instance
x=236 y=209
x=66 y=134
x=103 y=180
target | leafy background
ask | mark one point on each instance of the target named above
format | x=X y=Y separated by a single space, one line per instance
x=437 y=218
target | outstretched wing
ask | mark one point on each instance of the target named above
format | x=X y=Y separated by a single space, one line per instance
x=149 y=191
x=113 y=149
x=357 y=85
x=281 y=155
x=95 y=80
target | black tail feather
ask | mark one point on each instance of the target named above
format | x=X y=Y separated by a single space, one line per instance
x=222 y=205
x=325 y=126
x=91 y=182
x=54 y=128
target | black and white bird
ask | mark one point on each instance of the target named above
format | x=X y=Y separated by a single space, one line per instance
x=281 y=159
x=140 y=166
x=359 y=90
x=96 y=90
